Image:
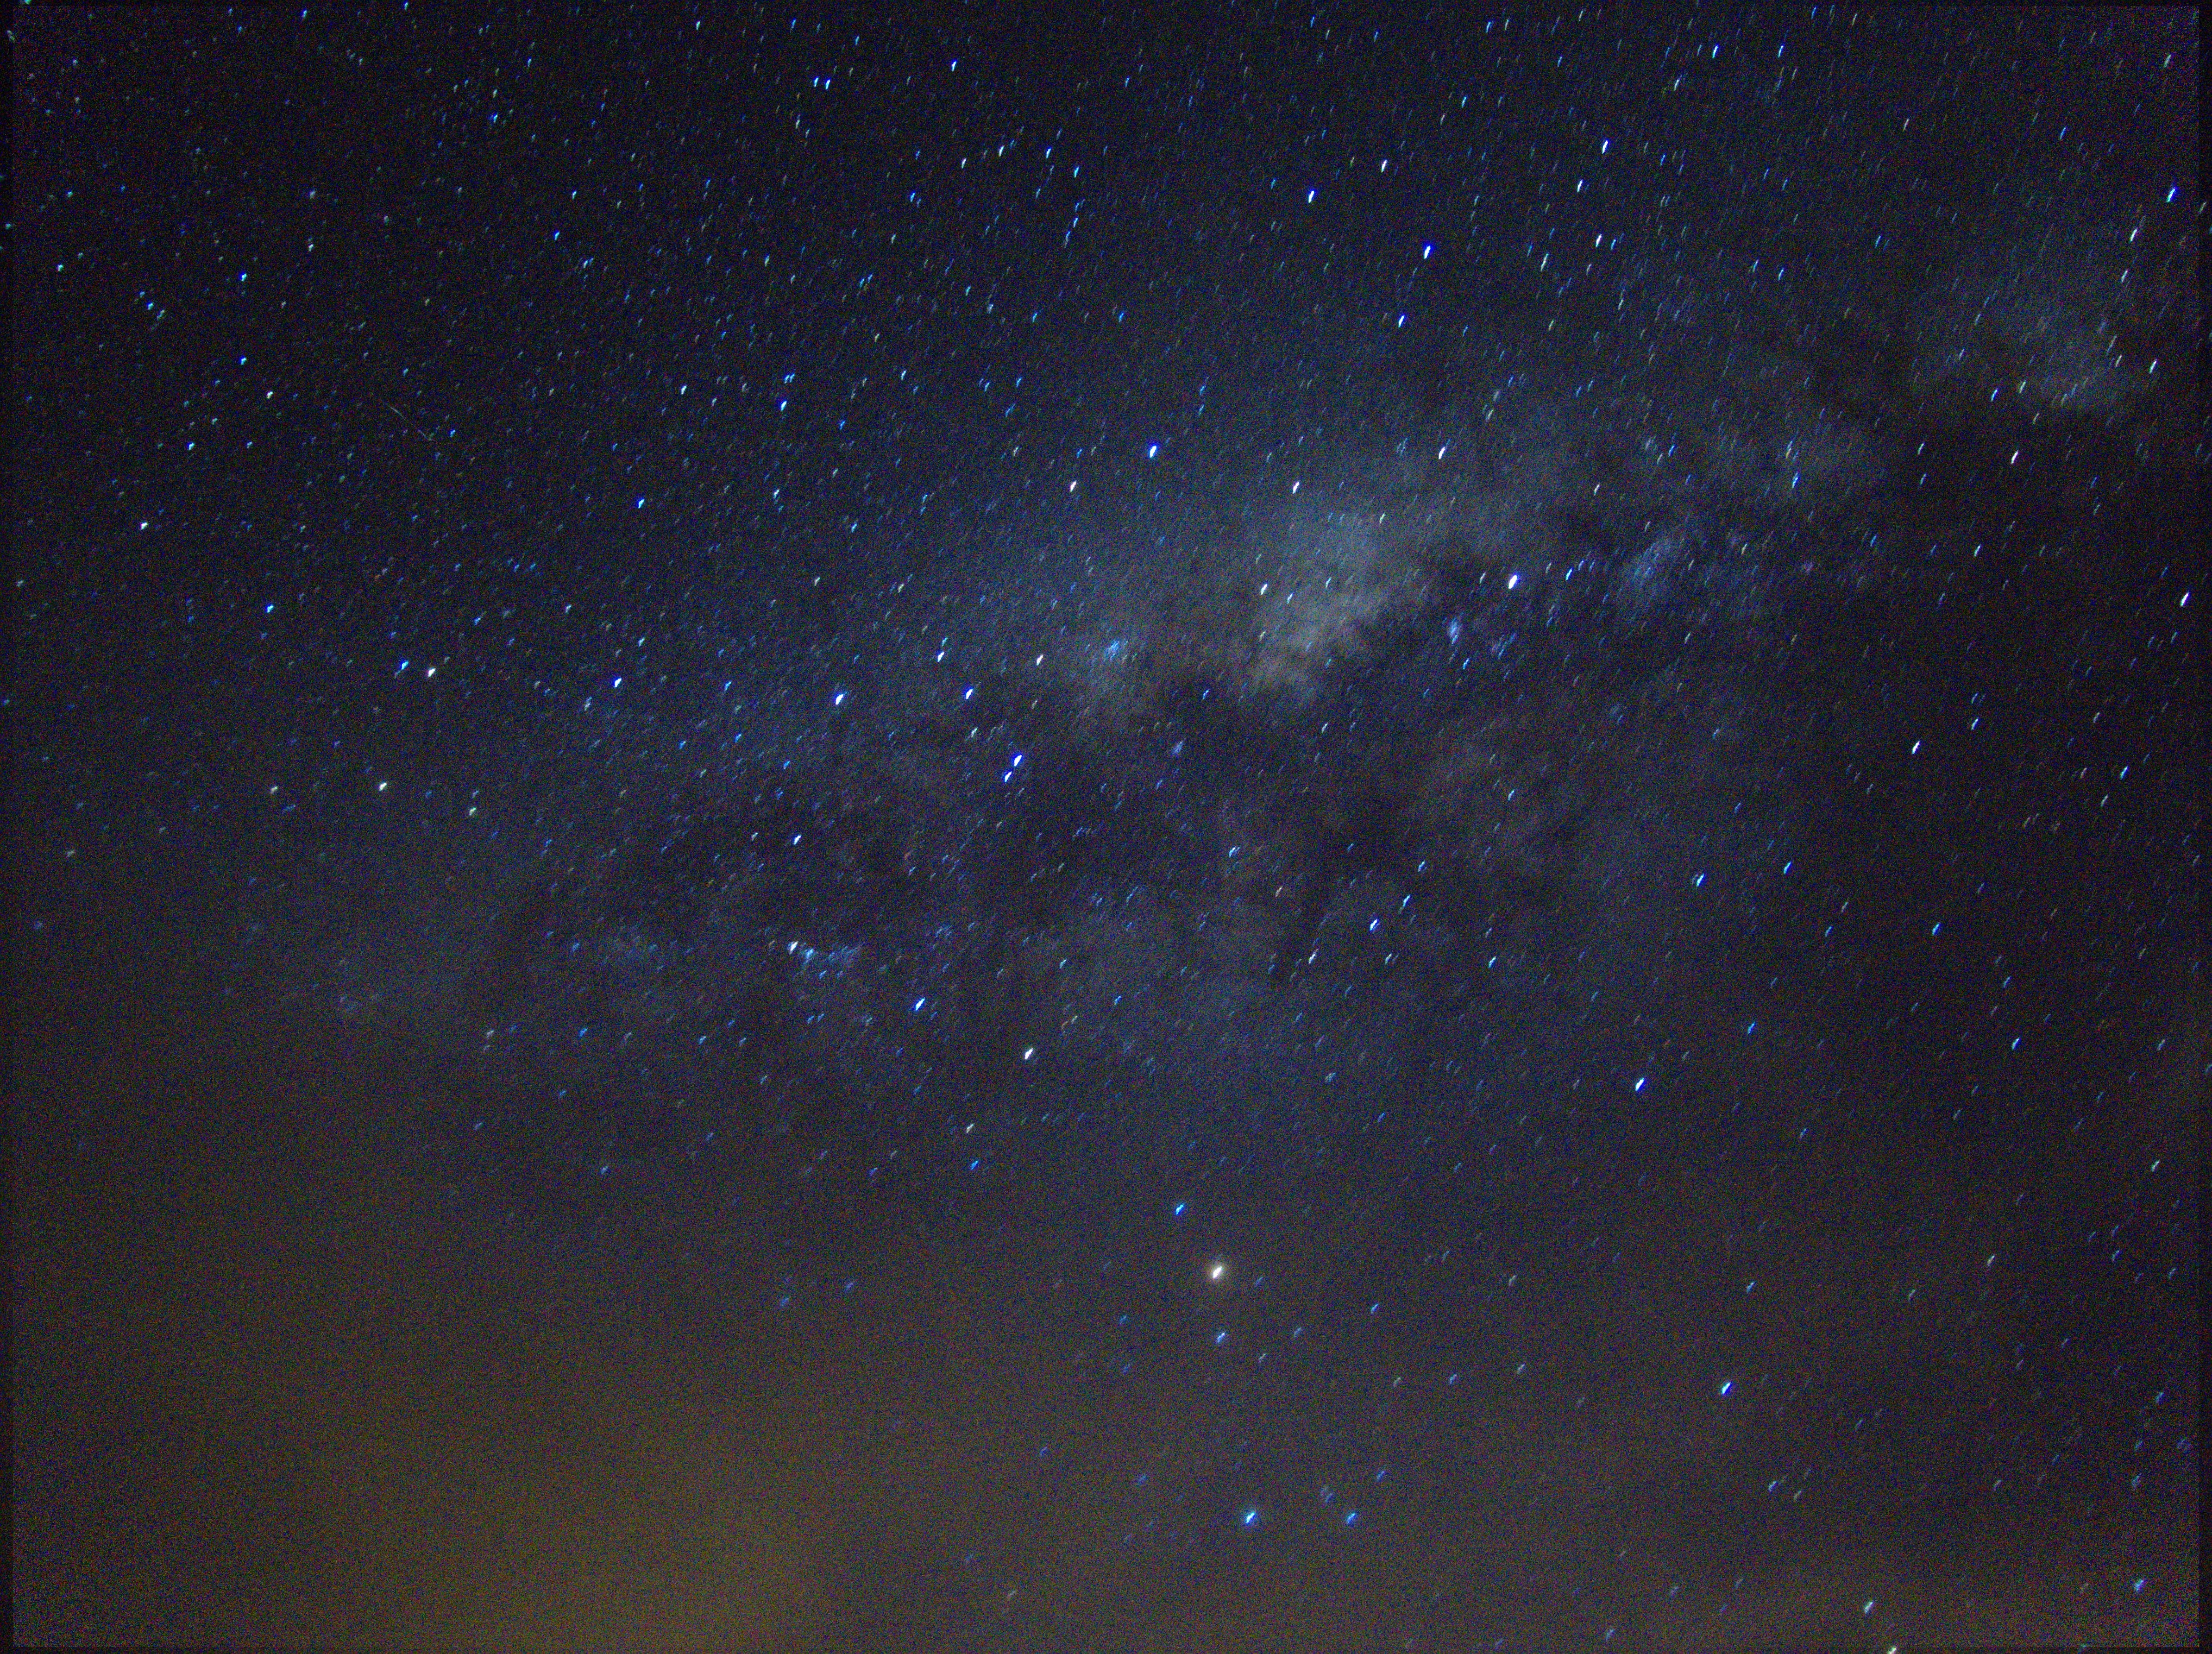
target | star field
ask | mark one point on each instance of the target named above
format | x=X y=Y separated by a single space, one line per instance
x=1243 y=830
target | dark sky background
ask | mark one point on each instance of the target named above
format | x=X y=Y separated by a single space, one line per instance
x=1244 y=830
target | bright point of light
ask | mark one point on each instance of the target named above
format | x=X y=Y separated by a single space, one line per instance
x=1218 y=1270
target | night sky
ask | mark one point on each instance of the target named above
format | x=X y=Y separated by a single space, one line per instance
x=1243 y=830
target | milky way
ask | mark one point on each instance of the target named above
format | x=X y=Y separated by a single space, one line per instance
x=1272 y=835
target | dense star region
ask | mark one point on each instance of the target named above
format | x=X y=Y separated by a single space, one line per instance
x=1255 y=831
